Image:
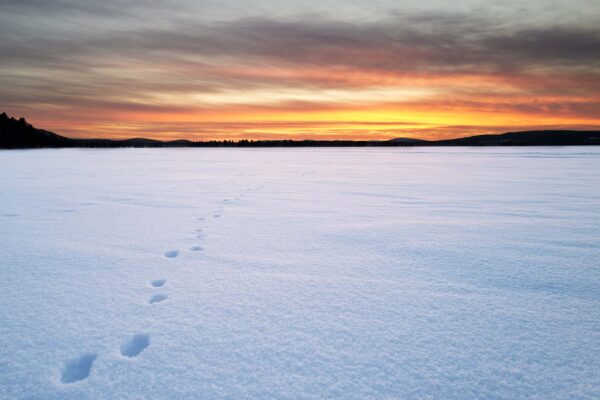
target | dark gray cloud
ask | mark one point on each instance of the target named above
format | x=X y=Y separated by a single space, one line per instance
x=107 y=8
x=424 y=43
x=434 y=42
x=565 y=45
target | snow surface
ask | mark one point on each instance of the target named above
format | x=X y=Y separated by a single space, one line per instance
x=450 y=273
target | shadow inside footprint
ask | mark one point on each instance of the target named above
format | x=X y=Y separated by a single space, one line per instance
x=158 y=282
x=172 y=254
x=135 y=345
x=196 y=248
x=157 y=298
x=78 y=368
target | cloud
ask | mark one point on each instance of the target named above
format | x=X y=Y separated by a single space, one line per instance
x=401 y=43
x=456 y=61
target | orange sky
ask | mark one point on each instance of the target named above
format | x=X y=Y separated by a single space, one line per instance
x=413 y=74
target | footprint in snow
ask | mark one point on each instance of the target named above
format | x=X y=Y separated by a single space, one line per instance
x=196 y=248
x=172 y=253
x=157 y=298
x=216 y=215
x=158 y=283
x=135 y=345
x=78 y=368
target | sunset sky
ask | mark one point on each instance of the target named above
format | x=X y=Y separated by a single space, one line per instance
x=378 y=69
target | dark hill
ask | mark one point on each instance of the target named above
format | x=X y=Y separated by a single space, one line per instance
x=18 y=134
x=409 y=141
x=528 y=138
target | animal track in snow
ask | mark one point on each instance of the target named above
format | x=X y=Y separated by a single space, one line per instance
x=172 y=253
x=78 y=368
x=216 y=215
x=135 y=345
x=158 y=283
x=196 y=248
x=157 y=298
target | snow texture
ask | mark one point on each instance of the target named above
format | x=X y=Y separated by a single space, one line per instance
x=451 y=273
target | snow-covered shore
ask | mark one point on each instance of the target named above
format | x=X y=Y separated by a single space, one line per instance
x=311 y=273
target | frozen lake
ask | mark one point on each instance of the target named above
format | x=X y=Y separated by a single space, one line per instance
x=450 y=273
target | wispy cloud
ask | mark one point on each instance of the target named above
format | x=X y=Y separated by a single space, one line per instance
x=294 y=69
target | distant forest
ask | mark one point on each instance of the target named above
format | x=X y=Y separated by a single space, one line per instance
x=19 y=134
